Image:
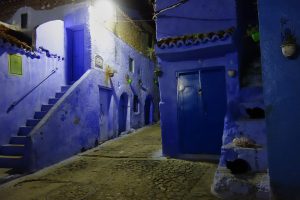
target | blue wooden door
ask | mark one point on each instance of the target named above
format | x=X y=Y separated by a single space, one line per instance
x=105 y=121
x=76 y=55
x=201 y=110
x=122 y=112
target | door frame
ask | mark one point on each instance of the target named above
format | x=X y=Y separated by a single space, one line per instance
x=187 y=71
x=69 y=50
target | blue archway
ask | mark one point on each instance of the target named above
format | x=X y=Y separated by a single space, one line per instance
x=122 y=112
x=148 y=110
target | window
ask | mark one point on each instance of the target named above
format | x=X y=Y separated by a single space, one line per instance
x=136 y=104
x=131 y=65
x=15 y=64
x=24 y=20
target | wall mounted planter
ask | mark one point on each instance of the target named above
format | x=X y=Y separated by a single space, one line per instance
x=231 y=73
x=288 y=50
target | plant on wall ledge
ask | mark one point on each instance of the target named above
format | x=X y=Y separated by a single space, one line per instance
x=158 y=72
x=128 y=79
x=289 y=43
x=109 y=73
x=155 y=81
x=151 y=53
x=253 y=32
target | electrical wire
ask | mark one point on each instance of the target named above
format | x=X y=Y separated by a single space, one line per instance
x=169 y=8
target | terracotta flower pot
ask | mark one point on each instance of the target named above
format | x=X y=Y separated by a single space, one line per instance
x=288 y=50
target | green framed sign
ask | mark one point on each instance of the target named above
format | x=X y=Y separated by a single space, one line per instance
x=15 y=64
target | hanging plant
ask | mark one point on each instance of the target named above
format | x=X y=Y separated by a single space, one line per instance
x=289 y=43
x=109 y=73
x=151 y=53
x=128 y=79
x=253 y=32
x=155 y=81
x=158 y=72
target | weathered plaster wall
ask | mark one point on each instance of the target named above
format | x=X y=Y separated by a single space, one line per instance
x=72 y=125
x=195 y=16
x=76 y=122
x=116 y=53
x=14 y=87
x=281 y=92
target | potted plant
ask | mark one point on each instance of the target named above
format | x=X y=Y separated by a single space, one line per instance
x=253 y=32
x=288 y=45
x=109 y=73
x=128 y=79
x=158 y=72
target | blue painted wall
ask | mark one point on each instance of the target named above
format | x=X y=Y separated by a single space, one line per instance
x=14 y=87
x=281 y=91
x=195 y=16
x=77 y=121
x=191 y=18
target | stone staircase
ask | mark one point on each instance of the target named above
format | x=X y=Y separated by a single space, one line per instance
x=13 y=155
x=255 y=183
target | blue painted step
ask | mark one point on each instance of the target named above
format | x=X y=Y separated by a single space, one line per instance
x=32 y=122
x=65 y=88
x=23 y=131
x=12 y=149
x=18 y=139
x=11 y=155
x=39 y=115
x=10 y=161
x=59 y=94
x=46 y=108
x=53 y=100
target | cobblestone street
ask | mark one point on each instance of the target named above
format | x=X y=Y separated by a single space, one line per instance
x=129 y=167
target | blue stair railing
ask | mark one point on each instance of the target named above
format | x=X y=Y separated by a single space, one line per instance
x=15 y=103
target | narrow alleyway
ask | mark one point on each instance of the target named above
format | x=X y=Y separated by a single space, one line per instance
x=129 y=167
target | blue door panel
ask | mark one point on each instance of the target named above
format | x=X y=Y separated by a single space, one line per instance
x=214 y=96
x=122 y=112
x=201 y=110
x=77 y=55
x=105 y=99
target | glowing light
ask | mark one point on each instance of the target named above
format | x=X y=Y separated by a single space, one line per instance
x=105 y=10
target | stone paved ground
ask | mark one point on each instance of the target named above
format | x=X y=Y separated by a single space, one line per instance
x=125 y=168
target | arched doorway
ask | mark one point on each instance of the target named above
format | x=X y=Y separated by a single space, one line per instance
x=148 y=110
x=122 y=112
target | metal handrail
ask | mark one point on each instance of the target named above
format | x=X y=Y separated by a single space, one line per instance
x=15 y=103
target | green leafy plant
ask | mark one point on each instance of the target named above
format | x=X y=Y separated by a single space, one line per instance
x=253 y=32
x=128 y=79
x=109 y=73
x=158 y=72
x=151 y=53
x=288 y=38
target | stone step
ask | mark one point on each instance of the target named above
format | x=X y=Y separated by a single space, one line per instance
x=32 y=122
x=46 y=108
x=246 y=187
x=53 y=100
x=10 y=161
x=18 y=139
x=39 y=115
x=23 y=131
x=59 y=94
x=65 y=88
x=256 y=157
x=12 y=149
